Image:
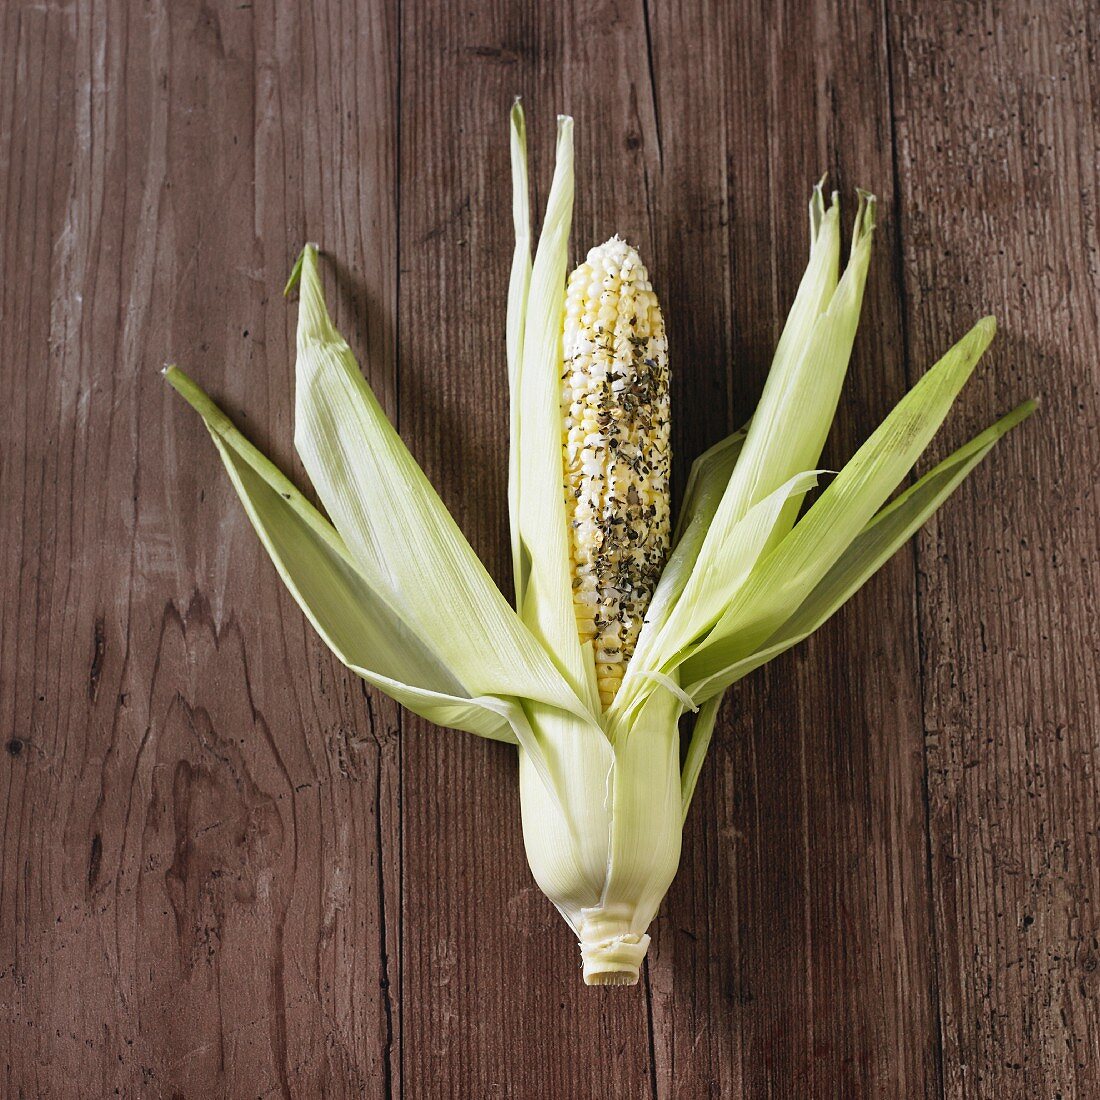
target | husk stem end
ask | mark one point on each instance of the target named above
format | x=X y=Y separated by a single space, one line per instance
x=614 y=961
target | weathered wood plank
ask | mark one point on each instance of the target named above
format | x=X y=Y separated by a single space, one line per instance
x=493 y=1000
x=697 y=1041
x=793 y=951
x=998 y=128
x=199 y=853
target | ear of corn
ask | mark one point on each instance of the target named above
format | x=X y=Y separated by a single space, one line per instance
x=615 y=414
x=591 y=673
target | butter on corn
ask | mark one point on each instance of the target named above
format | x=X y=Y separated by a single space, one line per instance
x=615 y=416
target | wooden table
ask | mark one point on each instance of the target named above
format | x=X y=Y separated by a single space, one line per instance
x=228 y=869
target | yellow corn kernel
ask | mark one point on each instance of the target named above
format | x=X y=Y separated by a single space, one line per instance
x=615 y=438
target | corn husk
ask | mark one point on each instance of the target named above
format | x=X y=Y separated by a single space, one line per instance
x=393 y=587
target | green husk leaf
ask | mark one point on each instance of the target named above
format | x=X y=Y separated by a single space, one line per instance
x=567 y=822
x=357 y=622
x=670 y=685
x=707 y=481
x=645 y=801
x=518 y=287
x=710 y=474
x=729 y=554
x=878 y=541
x=701 y=734
x=796 y=409
x=404 y=542
x=540 y=535
x=789 y=573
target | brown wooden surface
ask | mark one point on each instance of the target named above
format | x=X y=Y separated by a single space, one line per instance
x=228 y=870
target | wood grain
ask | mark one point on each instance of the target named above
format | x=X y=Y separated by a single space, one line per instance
x=485 y=956
x=796 y=953
x=998 y=152
x=227 y=869
x=181 y=747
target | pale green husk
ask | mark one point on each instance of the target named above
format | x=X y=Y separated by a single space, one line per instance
x=398 y=594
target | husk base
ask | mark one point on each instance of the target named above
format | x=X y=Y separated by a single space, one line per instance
x=614 y=961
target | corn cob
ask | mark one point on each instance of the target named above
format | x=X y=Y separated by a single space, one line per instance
x=615 y=415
